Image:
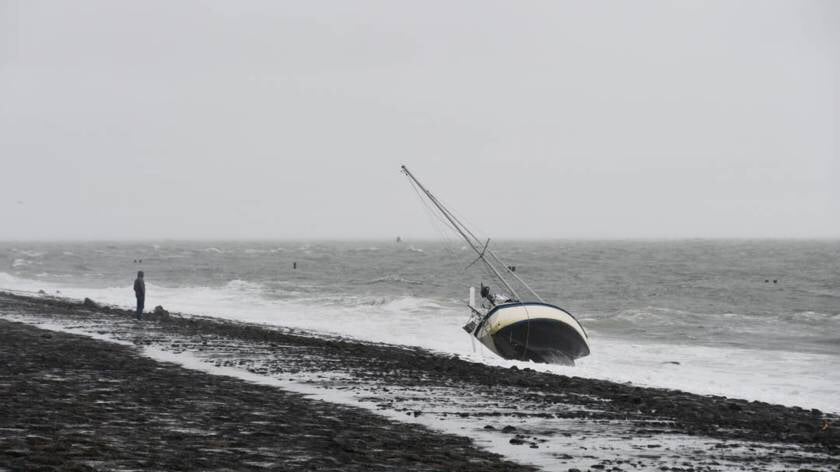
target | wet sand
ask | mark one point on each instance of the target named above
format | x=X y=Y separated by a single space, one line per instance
x=74 y=403
x=68 y=399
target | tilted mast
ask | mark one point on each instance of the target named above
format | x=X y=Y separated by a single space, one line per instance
x=471 y=239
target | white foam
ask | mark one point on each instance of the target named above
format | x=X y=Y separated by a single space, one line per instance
x=777 y=376
x=28 y=253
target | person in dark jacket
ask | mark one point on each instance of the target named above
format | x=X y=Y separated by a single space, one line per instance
x=140 y=293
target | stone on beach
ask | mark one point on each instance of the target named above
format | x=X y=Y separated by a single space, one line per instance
x=159 y=311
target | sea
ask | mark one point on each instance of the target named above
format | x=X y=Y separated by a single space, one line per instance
x=751 y=319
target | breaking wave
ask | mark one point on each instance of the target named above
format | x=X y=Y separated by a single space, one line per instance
x=17 y=263
x=774 y=376
x=393 y=279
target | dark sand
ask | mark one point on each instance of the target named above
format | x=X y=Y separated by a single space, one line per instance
x=74 y=403
x=70 y=400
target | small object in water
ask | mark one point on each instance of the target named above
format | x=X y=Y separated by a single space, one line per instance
x=294 y=265
x=399 y=240
x=775 y=281
x=767 y=281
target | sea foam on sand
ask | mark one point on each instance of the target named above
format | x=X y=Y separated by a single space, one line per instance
x=779 y=376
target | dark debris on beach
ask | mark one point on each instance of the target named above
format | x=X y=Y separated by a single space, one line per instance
x=165 y=414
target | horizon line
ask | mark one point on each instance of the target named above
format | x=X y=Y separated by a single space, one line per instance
x=418 y=239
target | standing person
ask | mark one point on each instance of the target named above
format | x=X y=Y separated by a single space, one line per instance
x=140 y=293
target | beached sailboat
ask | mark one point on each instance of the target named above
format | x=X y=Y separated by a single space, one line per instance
x=508 y=325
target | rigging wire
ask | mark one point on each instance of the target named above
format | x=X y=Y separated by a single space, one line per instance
x=477 y=242
x=459 y=227
x=506 y=269
x=453 y=248
x=456 y=224
x=463 y=222
x=437 y=221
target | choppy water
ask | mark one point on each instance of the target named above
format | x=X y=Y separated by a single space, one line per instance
x=702 y=316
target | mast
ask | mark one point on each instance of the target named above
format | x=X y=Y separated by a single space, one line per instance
x=465 y=233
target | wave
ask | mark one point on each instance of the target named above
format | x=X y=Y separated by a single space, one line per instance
x=393 y=278
x=239 y=285
x=656 y=315
x=257 y=251
x=824 y=292
x=236 y=295
x=811 y=317
x=17 y=263
x=364 y=249
x=782 y=377
x=28 y=253
x=651 y=315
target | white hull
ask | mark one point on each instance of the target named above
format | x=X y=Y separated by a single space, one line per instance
x=533 y=331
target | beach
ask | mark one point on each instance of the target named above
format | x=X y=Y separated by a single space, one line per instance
x=87 y=386
x=70 y=402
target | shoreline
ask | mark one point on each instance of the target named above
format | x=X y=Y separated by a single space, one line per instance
x=548 y=403
x=101 y=406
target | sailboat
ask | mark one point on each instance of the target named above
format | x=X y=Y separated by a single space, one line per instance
x=508 y=325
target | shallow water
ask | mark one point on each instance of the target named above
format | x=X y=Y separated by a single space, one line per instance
x=701 y=316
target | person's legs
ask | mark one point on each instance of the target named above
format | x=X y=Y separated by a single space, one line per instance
x=140 y=301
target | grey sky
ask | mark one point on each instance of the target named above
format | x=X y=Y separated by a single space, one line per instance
x=266 y=119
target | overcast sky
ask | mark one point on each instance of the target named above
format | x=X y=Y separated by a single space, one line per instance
x=556 y=119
